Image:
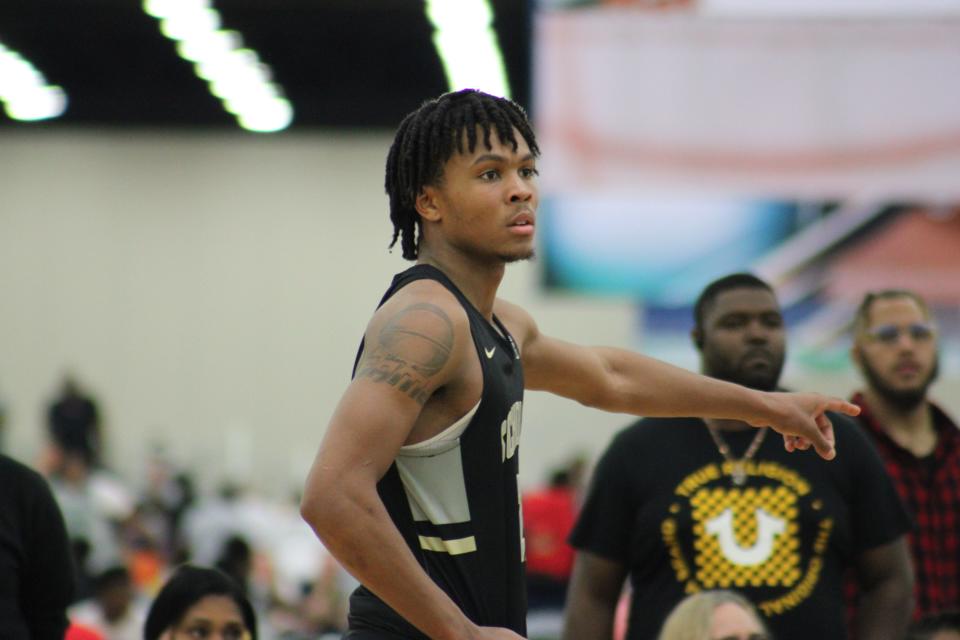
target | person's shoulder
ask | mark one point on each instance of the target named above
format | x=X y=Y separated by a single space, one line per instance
x=423 y=302
x=10 y=467
x=657 y=429
x=847 y=429
x=507 y=310
x=855 y=444
x=516 y=319
x=24 y=478
x=944 y=419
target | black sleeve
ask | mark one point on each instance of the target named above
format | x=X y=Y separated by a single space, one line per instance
x=877 y=513
x=47 y=584
x=605 y=523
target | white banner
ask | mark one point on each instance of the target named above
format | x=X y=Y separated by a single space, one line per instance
x=629 y=100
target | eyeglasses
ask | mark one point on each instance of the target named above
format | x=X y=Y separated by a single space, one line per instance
x=890 y=333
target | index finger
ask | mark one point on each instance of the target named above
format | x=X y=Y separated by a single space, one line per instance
x=842 y=406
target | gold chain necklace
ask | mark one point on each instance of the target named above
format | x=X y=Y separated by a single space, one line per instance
x=738 y=467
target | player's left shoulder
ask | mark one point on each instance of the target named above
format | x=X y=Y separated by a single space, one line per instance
x=517 y=320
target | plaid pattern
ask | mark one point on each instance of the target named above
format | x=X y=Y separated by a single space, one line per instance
x=930 y=489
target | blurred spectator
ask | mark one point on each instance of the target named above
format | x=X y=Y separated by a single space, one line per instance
x=114 y=611
x=236 y=560
x=95 y=506
x=939 y=626
x=78 y=631
x=321 y=611
x=714 y=615
x=683 y=505
x=895 y=348
x=211 y=521
x=73 y=421
x=201 y=603
x=36 y=576
x=549 y=514
x=167 y=496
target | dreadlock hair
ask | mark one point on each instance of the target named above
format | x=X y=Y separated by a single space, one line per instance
x=429 y=136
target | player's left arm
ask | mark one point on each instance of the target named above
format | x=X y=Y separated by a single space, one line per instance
x=623 y=381
x=885 y=578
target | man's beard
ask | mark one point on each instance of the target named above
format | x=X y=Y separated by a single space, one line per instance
x=904 y=400
x=759 y=380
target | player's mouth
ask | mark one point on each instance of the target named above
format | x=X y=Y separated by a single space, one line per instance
x=523 y=223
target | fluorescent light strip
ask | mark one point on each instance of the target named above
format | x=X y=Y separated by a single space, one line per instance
x=234 y=73
x=467 y=45
x=24 y=91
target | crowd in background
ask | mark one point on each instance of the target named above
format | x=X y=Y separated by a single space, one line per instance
x=126 y=538
x=129 y=546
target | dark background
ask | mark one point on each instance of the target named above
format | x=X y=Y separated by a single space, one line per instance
x=349 y=63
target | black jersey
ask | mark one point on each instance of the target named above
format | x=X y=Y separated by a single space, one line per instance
x=457 y=502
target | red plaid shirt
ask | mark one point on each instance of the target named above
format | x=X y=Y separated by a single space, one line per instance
x=930 y=489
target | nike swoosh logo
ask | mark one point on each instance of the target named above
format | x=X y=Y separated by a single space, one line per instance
x=489 y=352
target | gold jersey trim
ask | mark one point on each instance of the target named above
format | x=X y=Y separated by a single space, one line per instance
x=453 y=547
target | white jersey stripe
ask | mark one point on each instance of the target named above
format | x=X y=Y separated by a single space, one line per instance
x=453 y=547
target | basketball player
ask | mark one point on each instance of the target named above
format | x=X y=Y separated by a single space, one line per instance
x=414 y=487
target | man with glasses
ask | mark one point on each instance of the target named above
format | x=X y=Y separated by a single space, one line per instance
x=895 y=347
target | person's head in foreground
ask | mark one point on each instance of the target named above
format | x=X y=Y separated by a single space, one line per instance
x=463 y=167
x=714 y=615
x=198 y=603
x=938 y=626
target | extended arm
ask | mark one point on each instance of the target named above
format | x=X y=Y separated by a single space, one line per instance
x=623 y=381
x=592 y=600
x=414 y=346
x=886 y=585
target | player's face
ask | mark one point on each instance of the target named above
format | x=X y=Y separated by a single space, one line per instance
x=733 y=622
x=897 y=351
x=487 y=200
x=744 y=338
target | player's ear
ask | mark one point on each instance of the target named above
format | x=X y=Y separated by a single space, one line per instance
x=427 y=203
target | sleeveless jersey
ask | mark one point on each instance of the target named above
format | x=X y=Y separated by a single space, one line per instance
x=457 y=504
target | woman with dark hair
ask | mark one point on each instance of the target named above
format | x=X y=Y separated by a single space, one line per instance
x=198 y=603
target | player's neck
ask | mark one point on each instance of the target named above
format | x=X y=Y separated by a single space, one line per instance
x=477 y=280
x=911 y=428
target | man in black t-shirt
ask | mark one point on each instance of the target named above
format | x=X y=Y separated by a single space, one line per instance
x=715 y=505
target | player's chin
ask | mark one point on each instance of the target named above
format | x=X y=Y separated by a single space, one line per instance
x=516 y=256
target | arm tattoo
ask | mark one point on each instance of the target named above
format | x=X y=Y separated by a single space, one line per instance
x=412 y=347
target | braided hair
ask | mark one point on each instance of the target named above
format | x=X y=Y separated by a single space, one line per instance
x=429 y=136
